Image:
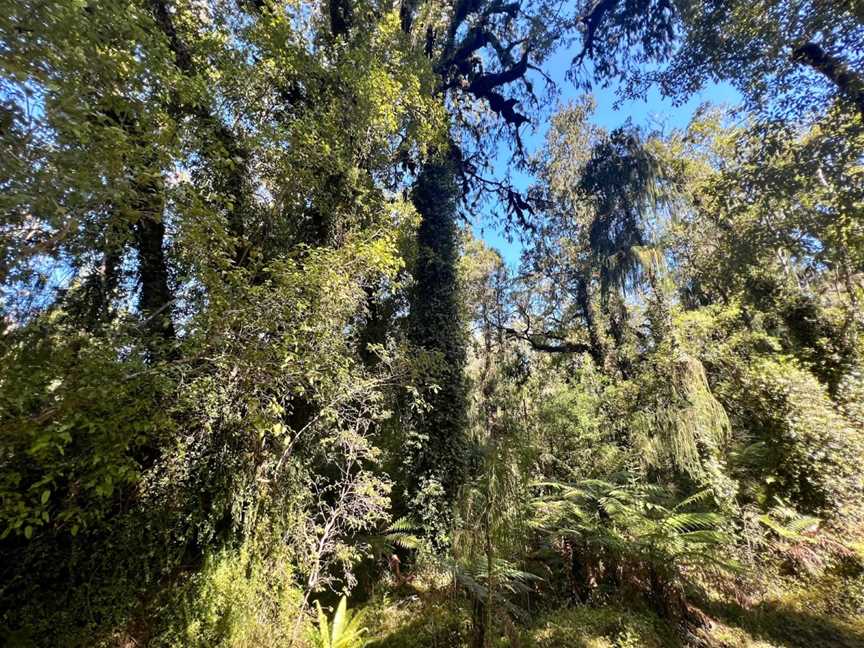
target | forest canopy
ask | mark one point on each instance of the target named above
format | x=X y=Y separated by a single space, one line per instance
x=264 y=383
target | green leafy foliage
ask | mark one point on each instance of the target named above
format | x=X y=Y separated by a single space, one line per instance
x=235 y=600
x=345 y=630
x=252 y=359
x=634 y=523
x=76 y=428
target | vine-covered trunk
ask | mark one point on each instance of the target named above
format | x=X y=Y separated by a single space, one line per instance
x=598 y=349
x=149 y=230
x=436 y=447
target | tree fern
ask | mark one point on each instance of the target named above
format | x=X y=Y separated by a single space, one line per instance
x=473 y=577
x=633 y=521
x=402 y=533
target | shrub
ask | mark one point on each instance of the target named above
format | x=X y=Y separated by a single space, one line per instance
x=807 y=451
x=238 y=600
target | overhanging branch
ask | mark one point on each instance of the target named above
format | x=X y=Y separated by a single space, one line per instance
x=849 y=83
x=539 y=343
x=592 y=19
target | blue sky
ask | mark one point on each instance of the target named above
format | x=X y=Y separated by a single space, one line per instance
x=653 y=112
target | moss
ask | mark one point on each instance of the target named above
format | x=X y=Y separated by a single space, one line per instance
x=430 y=621
x=601 y=627
x=427 y=621
x=827 y=611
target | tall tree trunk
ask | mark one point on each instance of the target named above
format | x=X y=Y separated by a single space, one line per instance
x=225 y=151
x=598 y=349
x=341 y=16
x=156 y=298
x=438 y=449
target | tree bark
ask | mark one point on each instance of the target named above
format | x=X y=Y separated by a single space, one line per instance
x=341 y=16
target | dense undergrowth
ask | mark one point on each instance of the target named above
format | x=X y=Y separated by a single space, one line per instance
x=231 y=602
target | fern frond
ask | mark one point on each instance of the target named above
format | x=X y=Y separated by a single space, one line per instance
x=684 y=522
x=701 y=497
x=404 y=524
